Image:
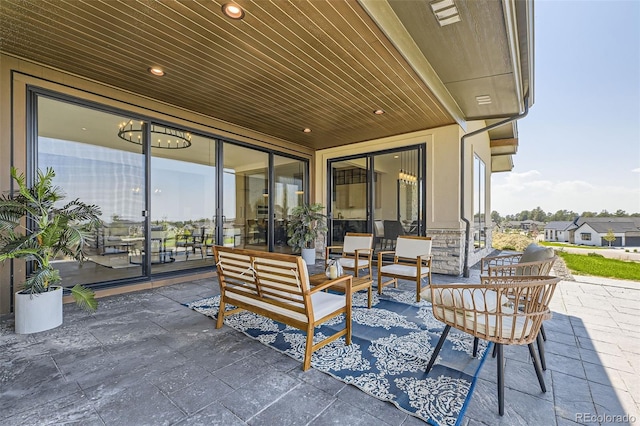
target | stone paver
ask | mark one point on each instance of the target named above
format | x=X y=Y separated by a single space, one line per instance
x=144 y=358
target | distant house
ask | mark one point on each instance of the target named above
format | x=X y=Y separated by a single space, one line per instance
x=592 y=230
x=525 y=225
x=559 y=231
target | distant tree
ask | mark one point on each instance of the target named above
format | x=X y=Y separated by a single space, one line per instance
x=538 y=215
x=495 y=217
x=610 y=237
x=563 y=215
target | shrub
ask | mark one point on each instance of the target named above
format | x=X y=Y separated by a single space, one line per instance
x=510 y=241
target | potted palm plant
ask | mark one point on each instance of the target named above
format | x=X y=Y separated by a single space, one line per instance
x=306 y=223
x=35 y=227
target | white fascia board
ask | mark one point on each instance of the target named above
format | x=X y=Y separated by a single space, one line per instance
x=386 y=19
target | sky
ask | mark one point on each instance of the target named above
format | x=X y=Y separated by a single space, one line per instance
x=579 y=146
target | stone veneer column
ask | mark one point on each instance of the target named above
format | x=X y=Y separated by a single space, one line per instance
x=447 y=250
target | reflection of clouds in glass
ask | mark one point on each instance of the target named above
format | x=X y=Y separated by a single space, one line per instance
x=96 y=175
x=114 y=180
x=182 y=190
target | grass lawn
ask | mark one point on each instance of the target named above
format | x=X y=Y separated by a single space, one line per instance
x=581 y=264
x=550 y=244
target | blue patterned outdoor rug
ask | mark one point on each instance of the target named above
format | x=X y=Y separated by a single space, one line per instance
x=391 y=345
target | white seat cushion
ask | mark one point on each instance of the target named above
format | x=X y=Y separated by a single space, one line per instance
x=323 y=304
x=405 y=270
x=349 y=262
x=476 y=299
x=487 y=324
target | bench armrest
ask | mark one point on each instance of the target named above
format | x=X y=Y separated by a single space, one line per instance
x=330 y=283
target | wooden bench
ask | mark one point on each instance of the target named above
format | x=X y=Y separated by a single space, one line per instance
x=277 y=286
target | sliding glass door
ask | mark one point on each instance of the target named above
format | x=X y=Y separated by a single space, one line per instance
x=96 y=166
x=183 y=200
x=289 y=192
x=245 y=211
x=379 y=193
x=349 y=207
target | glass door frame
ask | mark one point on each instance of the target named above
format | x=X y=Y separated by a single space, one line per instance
x=370 y=187
x=271 y=184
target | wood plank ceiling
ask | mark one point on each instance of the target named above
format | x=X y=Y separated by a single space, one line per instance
x=286 y=66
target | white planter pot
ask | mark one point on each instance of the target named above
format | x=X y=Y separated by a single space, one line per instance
x=309 y=256
x=38 y=312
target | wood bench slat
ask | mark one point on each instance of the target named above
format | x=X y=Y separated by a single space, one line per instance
x=276 y=285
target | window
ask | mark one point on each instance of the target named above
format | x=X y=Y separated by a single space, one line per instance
x=585 y=236
x=165 y=202
x=479 y=203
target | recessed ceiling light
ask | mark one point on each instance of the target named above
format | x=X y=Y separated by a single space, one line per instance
x=307 y=130
x=233 y=11
x=378 y=112
x=156 y=71
x=84 y=128
x=396 y=156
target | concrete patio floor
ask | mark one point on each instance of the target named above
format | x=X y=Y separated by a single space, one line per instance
x=144 y=359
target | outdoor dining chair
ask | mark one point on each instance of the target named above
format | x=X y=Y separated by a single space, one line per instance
x=356 y=253
x=411 y=261
x=505 y=310
x=534 y=260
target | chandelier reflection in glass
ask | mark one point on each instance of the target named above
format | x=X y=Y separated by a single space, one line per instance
x=406 y=174
x=161 y=137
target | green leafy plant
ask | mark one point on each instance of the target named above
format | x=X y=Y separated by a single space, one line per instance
x=306 y=223
x=35 y=228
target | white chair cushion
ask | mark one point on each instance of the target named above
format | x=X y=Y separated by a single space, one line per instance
x=470 y=300
x=519 y=326
x=411 y=248
x=404 y=270
x=323 y=303
x=353 y=243
x=349 y=262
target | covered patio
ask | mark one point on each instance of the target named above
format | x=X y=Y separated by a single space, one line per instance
x=144 y=359
x=190 y=127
